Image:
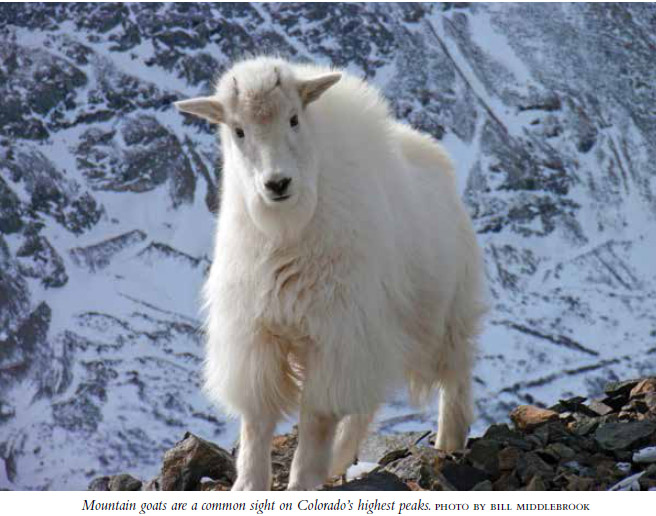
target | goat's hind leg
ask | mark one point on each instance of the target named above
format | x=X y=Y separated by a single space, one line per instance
x=456 y=405
x=456 y=413
x=351 y=431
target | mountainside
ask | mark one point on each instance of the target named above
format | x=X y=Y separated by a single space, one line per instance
x=108 y=199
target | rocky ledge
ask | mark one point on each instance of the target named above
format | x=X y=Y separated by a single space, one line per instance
x=577 y=444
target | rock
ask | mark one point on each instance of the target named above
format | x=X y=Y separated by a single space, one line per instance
x=645 y=456
x=484 y=454
x=39 y=259
x=139 y=157
x=124 y=482
x=508 y=458
x=378 y=481
x=536 y=484
x=573 y=404
x=462 y=476
x=98 y=256
x=213 y=485
x=599 y=408
x=650 y=472
x=507 y=437
x=576 y=483
x=647 y=484
x=282 y=453
x=551 y=431
x=616 y=401
x=624 y=467
x=528 y=417
x=560 y=451
x=648 y=385
x=424 y=467
x=377 y=446
x=531 y=464
x=630 y=483
x=620 y=388
x=585 y=427
x=485 y=485
x=393 y=456
x=621 y=436
x=649 y=400
x=99 y=484
x=506 y=482
x=152 y=485
x=190 y=460
x=11 y=211
x=14 y=295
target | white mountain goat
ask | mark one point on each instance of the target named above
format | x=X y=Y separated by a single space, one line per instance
x=344 y=261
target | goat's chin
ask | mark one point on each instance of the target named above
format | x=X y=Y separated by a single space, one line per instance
x=283 y=221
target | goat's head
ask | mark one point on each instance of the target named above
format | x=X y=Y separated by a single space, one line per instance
x=266 y=138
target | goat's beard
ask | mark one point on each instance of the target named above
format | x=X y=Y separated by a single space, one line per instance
x=283 y=222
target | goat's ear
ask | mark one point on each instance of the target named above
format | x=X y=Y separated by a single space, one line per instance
x=205 y=107
x=311 y=89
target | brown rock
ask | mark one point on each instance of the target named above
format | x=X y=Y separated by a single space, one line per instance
x=282 y=453
x=536 y=484
x=414 y=486
x=650 y=401
x=527 y=417
x=576 y=483
x=508 y=458
x=647 y=385
x=192 y=459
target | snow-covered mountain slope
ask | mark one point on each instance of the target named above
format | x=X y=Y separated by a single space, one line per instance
x=107 y=198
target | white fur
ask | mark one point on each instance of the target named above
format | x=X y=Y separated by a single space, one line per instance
x=368 y=275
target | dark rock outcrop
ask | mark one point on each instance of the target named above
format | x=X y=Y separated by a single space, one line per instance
x=549 y=449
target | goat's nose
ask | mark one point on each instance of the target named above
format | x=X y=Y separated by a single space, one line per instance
x=278 y=186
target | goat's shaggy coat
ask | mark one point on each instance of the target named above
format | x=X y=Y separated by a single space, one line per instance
x=344 y=262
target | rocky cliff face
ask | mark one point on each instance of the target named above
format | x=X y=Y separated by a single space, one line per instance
x=107 y=199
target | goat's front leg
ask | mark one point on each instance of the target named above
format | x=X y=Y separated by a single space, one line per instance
x=254 y=457
x=312 y=459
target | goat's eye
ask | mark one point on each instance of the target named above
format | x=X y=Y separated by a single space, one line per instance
x=239 y=132
x=293 y=121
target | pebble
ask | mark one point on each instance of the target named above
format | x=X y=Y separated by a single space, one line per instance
x=624 y=467
x=645 y=456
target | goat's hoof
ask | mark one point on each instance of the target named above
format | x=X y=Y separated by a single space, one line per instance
x=247 y=485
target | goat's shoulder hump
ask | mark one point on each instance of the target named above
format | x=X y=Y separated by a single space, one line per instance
x=422 y=149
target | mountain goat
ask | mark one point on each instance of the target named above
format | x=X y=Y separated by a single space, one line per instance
x=344 y=262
